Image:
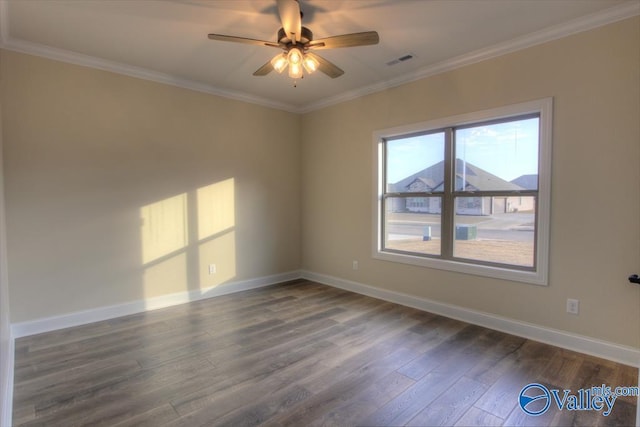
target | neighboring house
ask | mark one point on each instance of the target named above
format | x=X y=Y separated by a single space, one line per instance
x=468 y=177
x=528 y=182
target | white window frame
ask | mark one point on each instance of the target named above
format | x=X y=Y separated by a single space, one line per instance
x=540 y=274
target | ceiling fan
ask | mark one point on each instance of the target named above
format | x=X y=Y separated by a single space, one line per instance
x=297 y=43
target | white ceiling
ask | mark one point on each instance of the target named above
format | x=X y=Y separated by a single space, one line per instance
x=166 y=40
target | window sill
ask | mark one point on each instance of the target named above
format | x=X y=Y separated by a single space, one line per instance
x=532 y=277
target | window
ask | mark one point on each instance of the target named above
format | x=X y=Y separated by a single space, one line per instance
x=468 y=193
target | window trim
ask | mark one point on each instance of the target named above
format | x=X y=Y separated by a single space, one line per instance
x=540 y=273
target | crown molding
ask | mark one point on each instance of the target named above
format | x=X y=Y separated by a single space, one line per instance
x=598 y=19
x=141 y=73
x=585 y=23
x=36 y=49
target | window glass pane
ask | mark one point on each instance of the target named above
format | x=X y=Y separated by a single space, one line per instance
x=497 y=157
x=415 y=164
x=412 y=224
x=495 y=229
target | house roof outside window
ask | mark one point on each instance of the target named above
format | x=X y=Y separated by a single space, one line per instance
x=431 y=179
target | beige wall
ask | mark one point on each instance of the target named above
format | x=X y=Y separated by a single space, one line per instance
x=6 y=364
x=595 y=219
x=119 y=189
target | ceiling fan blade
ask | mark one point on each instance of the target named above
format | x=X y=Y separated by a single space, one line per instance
x=224 y=38
x=264 y=70
x=327 y=67
x=346 y=40
x=289 y=11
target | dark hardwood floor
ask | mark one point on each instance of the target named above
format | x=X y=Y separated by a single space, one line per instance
x=297 y=354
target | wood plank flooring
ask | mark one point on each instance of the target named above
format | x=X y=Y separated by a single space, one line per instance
x=298 y=354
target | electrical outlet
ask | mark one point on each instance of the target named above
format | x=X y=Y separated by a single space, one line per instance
x=212 y=269
x=573 y=306
x=355 y=265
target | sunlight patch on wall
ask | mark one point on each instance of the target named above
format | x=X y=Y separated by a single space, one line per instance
x=216 y=208
x=165 y=276
x=222 y=252
x=164 y=227
x=185 y=235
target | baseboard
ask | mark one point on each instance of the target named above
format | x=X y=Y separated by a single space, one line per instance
x=6 y=410
x=583 y=344
x=38 y=326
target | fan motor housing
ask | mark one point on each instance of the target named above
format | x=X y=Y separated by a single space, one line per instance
x=305 y=37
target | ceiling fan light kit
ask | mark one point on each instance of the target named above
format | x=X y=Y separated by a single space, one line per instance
x=280 y=62
x=310 y=64
x=294 y=58
x=296 y=43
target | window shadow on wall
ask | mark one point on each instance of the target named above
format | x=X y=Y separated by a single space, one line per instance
x=188 y=241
